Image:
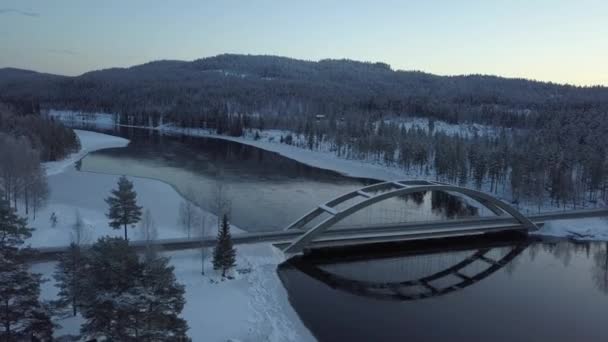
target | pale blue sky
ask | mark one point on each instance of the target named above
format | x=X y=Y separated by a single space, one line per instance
x=554 y=40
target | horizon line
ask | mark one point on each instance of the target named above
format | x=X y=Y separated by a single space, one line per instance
x=567 y=84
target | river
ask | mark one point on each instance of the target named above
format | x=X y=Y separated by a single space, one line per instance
x=512 y=288
x=265 y=190
x=520 y=289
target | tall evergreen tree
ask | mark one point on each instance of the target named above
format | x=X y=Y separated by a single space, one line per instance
x=13 y=229
x=162 y=299
x=69 y=274
x=111 y=265
x=123 y=209
x=224 y=254
x=22 y=315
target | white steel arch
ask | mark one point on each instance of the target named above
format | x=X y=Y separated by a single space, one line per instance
x=394 y=189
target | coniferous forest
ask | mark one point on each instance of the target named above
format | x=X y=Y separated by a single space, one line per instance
x=549 y=141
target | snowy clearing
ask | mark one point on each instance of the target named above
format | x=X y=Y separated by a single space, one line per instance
x=251 y=307
x=464 y=129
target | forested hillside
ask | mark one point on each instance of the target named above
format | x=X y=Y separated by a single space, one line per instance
x=283 y=86
x=551 y=142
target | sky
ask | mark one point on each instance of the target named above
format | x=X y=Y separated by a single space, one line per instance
x=563 y=41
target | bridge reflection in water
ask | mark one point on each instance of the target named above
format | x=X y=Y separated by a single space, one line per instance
x=409 y=271
x=423 y=290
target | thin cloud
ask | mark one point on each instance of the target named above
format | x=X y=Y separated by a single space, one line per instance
x=63 y=52
x=18 y=11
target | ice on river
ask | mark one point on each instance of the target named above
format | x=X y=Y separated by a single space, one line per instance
x=72 y=190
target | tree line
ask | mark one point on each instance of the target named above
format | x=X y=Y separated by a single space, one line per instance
x=26 y=140
x=565 y=161
x=278 y=86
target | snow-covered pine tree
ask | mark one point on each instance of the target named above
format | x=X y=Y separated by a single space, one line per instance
x=22 y=315
x=123 y=209
x=111 y=269
x=224 y=254
x=129 y=299
x=69 y=274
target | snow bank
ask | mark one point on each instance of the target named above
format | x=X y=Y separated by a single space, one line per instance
x=89 y=142
x=251 y=307
x=321 y=159
x=595 y=228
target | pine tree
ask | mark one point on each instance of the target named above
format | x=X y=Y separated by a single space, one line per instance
x=111 y=266
x=13 y=229
x=22 y=315
x=129 y=299
x=163 y=301
x=69 y=274
x=224 y=254
x=123 y=208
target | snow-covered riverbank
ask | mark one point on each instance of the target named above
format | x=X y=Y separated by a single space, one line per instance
x=251 y=307
x=72 y=191
x=89 y=142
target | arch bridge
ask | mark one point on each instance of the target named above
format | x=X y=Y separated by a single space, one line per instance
x=328 y=214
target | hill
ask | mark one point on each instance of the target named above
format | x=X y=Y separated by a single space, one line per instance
x=248 y=84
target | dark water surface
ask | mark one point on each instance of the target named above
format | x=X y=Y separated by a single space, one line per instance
x=484 y=289
x=514 y=290
x=266 y=191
